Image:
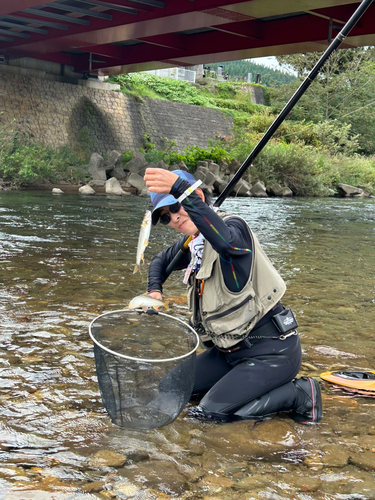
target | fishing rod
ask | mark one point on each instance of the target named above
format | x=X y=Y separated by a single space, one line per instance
x=365 y=4
x=294 y=99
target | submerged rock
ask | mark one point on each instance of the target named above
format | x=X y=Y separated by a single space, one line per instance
x=251 y=439
x=107 y=458
x=365 y=461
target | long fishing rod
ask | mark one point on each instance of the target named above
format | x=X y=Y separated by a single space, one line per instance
x=294 y=99
x=365 y=4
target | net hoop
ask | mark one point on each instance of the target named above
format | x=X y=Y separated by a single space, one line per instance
x=142 y=359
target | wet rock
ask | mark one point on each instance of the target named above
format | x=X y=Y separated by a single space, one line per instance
x=213 y=480
x=97 y=183
x=112 y=186
x=159 y=474
x=138 y=456
x=303 y=483
x=137 y=165
x=210 y=178
x=365 y=461
x=97 y=168
x=242 y=188
x=178 y=166
x=200 y=175
x=87 y=190
x=276 y=432
x=10 y=438
x=118 y=173
x=214 y=168
x=94 y=487
x=259 y=190
x=236 y=468
x=136 y=181
x=278 y=190
x=253 y=481
x=334 y=456
x=246 y=439
x=345 y=190
x=125 y=490
x=219 y=185
x=57 y=191
x=338 y=483
x=313 y=461
x=368 y=443
x=107 y=458
x=203 y=163
x=114 y=159
x=196 y=446
x=233 y=166
x=211 y=460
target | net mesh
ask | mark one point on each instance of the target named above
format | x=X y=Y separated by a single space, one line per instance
x=145 y=366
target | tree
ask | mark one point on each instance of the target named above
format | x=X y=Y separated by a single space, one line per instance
x=344 y=91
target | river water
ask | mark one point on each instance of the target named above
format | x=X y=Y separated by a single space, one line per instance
x=66 y=259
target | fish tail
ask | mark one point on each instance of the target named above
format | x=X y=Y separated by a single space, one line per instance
x=136 y=269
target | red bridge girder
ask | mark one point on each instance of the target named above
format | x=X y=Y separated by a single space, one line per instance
x=118 y=36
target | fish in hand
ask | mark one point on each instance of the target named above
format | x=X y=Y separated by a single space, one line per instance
x=144 y=235
x=146 y=302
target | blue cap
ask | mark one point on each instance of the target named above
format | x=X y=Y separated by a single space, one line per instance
x=160 y=200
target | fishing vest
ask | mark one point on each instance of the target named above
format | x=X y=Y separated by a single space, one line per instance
x=228 y=317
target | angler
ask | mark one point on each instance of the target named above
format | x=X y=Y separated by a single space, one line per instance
x=253 y=350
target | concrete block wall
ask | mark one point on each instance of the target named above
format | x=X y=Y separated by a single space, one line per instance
x=58 y=113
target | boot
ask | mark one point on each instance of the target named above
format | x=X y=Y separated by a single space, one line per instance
x=301 y=395
x=201 y=413
x=308 y=406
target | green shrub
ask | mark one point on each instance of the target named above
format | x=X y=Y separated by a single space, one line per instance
x=23 y=160
x=237 y=105
x=190 y=155
x=162 y=88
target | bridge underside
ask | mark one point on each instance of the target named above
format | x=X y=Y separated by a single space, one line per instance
x=106 y=37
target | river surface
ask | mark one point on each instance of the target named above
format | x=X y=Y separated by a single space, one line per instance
x=66 y=259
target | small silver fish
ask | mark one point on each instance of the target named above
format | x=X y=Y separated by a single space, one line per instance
x=144 y=235
x=145 y=302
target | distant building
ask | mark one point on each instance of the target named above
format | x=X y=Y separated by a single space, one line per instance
x=190 y=74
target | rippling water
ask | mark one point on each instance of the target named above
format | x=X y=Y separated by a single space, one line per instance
x=66 y=259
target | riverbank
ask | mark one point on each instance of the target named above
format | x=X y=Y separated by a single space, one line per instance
x=116 y=177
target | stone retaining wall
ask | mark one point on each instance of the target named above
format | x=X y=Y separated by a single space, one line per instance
x=59 y=113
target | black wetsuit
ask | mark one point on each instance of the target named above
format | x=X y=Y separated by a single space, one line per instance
x=230 y=380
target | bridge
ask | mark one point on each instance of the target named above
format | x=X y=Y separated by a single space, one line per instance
x=104 y=37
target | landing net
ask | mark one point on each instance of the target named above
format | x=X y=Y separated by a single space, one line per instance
x=145 y=366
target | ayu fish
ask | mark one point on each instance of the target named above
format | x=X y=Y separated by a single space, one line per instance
x=144 y=235
x=146 y=302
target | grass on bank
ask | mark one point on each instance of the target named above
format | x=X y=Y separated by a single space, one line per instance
x=24 y=161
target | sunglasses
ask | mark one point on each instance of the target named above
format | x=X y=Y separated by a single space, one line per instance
x=172 y=209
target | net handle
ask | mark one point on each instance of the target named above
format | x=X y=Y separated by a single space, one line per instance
x=142 y=359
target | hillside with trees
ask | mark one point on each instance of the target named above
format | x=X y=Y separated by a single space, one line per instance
x=238 y=71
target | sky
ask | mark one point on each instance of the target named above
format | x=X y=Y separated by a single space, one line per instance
x=271 y=62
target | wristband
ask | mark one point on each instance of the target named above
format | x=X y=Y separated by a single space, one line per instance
x=189 y=190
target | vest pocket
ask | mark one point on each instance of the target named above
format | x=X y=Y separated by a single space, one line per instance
x=234 y=320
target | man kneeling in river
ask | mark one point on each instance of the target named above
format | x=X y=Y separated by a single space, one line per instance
x=253 y=350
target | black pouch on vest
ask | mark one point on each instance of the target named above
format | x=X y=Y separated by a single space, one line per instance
x=285 y=321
